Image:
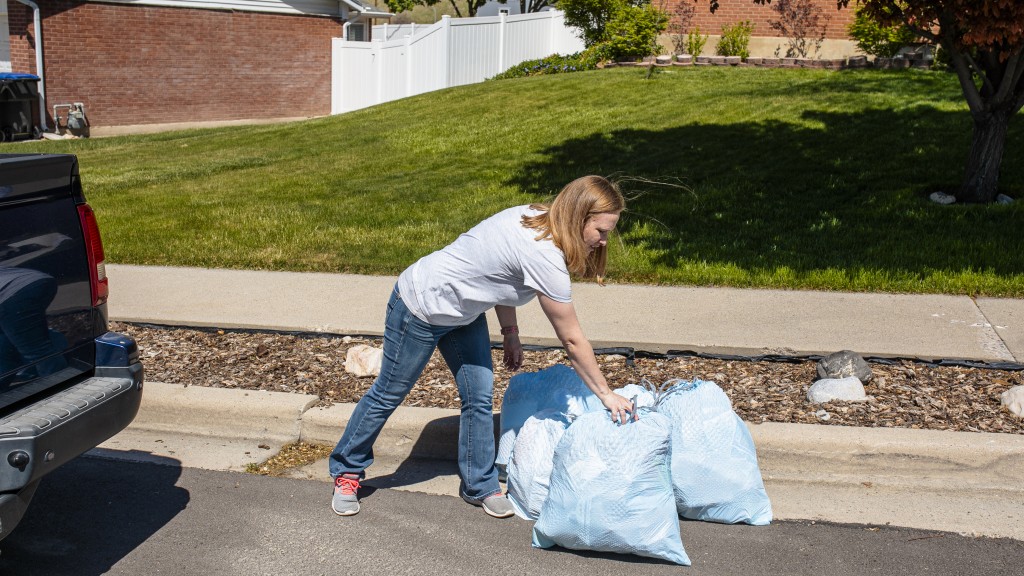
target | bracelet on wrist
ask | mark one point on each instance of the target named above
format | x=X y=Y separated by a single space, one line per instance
x=509 y=330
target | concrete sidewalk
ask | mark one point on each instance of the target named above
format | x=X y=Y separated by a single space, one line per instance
x=962 y=482
x=651 y=318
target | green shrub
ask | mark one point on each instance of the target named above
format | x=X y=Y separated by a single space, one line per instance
x=695 y=42
x=877 y=40
x=632 y=32
x=554 y=64
x=735 y=40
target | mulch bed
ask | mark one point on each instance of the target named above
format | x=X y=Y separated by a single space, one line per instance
x=905 y=394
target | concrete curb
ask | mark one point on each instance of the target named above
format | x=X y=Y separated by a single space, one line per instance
x=222 y=413
x=831 y=454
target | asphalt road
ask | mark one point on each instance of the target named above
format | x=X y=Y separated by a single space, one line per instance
x=98 y=516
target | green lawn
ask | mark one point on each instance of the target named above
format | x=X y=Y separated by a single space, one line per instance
x=737 y=177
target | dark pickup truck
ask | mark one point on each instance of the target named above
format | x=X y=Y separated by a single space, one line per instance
x=66 y=383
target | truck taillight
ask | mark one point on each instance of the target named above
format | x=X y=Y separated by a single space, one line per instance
x=94 y=248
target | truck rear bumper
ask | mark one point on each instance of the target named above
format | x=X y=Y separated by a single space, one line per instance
x=38 y=438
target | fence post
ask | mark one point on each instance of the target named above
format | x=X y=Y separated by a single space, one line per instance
x=337 y=90
x=408 y=65
x=501 y=41
x=446 y=24
x=386 y=37
x=378 y=54
x=552 y=29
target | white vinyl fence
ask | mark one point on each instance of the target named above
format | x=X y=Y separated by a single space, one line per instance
x=452 y=52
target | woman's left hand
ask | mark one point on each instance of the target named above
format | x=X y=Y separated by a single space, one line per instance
x=513 y=352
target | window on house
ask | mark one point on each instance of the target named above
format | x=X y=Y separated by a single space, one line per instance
x=356 y=33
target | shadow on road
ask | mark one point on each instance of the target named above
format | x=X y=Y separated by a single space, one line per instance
x=91 y=513
x=432 y=455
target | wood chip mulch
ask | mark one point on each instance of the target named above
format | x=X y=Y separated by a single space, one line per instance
x=905 y=394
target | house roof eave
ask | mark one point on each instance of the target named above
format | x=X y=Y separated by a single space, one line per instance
x=365 y=10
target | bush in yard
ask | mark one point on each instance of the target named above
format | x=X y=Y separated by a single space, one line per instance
x=735 y=40
x=591 y=17
x=678 y=27
x=695 y=42
x=632 y=32
x=876 y=39
x=554 y=64
x=803 y=25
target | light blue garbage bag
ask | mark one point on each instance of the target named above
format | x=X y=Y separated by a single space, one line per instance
x=556 y=388
x=714 y=463
x=643 y=397
x=529 y=470
x=610 y=489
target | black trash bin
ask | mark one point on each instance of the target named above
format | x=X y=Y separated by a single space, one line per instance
x=19 y=106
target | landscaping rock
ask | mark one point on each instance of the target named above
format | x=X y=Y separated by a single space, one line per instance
x=942 y=198
x=844 y=389
x=733 y=60
x=1013 y=401
x=663 y=60
x=857 y=61
x=1004 y=199
x=844 y=364
x=363 y=361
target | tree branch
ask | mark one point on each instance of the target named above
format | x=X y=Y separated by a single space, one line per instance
x=1011 y=76
x=961 y=65
x=923 y=32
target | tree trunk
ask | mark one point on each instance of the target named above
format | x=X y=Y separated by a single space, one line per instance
x=988 y=141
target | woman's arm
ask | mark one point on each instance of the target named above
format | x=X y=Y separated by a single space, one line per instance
x=511 y=346
x=562 y=316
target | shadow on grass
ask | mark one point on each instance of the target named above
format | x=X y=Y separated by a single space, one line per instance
x=838 y=191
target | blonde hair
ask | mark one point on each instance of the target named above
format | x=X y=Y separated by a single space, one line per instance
x=564 y=219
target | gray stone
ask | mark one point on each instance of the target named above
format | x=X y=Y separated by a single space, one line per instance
x=1004 y=199
x=684 y=58
x=843 y=389
x=663 y=60
x=843 y=364
x=942 y=198
x=857 y=61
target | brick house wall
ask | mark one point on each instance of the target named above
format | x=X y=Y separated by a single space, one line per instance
x=731 y=12
x=132 y=64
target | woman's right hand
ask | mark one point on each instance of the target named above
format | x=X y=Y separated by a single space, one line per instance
x=621 y=408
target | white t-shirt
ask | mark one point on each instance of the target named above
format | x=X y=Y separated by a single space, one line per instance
x=498 y=262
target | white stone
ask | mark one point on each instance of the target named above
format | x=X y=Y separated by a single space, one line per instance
x=663 y=59
x=942 y=198
x=363 y=360
x=1004 y=199
x=849 y=389
x=1013 y=400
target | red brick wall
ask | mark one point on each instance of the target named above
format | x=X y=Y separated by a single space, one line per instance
x=731 y=12
x=146 y=65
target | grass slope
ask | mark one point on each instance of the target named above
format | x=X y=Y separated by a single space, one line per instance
x=738 y=177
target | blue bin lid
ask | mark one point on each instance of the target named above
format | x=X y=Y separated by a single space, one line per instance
x=17 y=76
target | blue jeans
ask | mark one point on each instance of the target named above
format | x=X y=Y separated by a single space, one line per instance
x=408 y=345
